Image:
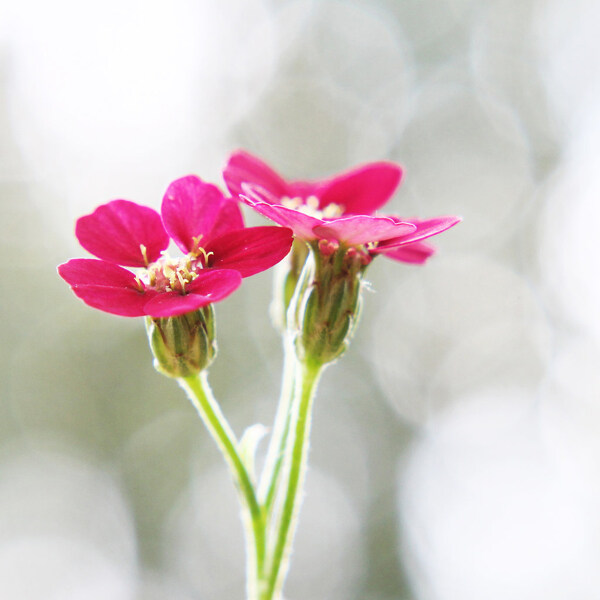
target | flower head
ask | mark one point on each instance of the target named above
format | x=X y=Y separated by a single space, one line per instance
x=204 y=225
x=339 y=210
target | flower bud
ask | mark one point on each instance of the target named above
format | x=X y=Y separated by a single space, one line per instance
x=183 y=345
x=328 y=303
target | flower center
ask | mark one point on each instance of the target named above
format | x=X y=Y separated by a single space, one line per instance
x=173 y=274
x=310 y=206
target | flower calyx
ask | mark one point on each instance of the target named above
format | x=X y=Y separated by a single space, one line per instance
x=183 y=345
x=326 y=306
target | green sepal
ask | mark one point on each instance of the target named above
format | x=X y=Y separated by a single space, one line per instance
x=184 y=345
x=327 y=304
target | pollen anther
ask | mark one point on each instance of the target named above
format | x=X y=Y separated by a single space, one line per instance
x=310 y=206
x=182 y=281
x=144 y=252
x=172 y=275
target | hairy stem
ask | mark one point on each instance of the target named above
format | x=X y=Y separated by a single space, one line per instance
x=200 y=394
x=272 y=469
x=307 y=376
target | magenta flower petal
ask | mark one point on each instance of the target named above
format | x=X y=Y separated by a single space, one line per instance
x=117 y=301
x=89 y=271
x=171 y=304
x=416 y=253
x=424 y=229
x=210 y=286
x=362 y=190
x=242 y=167
x=106 y=286
x=301 y=224
x=251 y=250
x=189 y=210
x=229 y=218
x=215 y=283
x=355 y=195
x=116 y=232
x=362 y=229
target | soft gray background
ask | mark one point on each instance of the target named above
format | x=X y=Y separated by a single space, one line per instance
x=455 y=453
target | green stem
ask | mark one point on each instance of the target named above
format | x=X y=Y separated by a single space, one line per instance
x=200 y=394
x=296 y=457
x=302 y=268
x=273 y=462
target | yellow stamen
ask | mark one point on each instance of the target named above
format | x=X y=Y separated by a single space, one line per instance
x=143 y=249
x=333 y=210
x=296 y=203
x=310 y=206
x=312 y=202
x=169 y=274
x=196 y=249
x=182 y=281
x=205 y=255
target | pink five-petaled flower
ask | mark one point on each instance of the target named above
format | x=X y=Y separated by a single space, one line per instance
x=205 y=225
x=339 y=210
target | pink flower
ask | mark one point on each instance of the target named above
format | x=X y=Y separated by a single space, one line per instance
x=204 y=225
x=339 y=210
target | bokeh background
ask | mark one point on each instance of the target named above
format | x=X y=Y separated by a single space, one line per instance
x=456 y=450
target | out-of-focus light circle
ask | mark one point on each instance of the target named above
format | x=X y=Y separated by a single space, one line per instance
x=361 y=50
x=570 y=244
x=154 y=586
x=340 y=439
x=449 y=328
x=575 y=374
x=365 y=53
x=65 y=529
x=464 y=157
x=488 y=511
x=348 y=98
x=567 y=41
x=204 y=544
x=433 y=27
x=504 y=63
x=119 y=98
x=301 y=126
x=329 y=554
x=511 y=349
x=204 y=541
x=59 y=568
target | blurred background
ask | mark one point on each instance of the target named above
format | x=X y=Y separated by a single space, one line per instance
x=455 y=450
